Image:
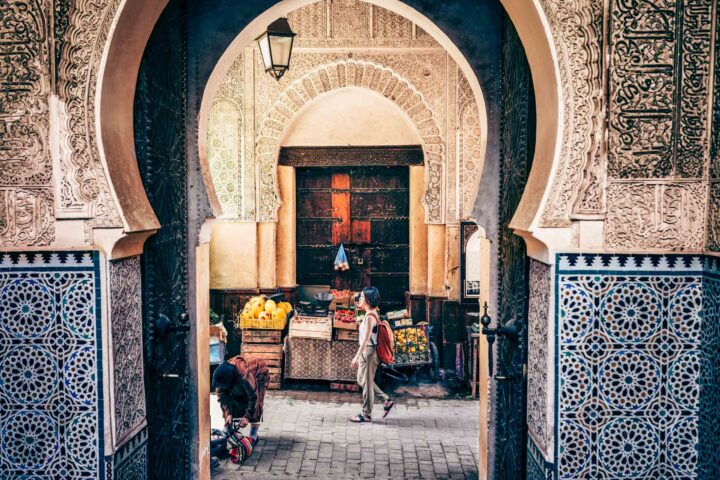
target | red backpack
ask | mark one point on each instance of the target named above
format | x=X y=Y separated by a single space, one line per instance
x=385 y=347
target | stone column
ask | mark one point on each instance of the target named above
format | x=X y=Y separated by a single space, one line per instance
x=285 y=246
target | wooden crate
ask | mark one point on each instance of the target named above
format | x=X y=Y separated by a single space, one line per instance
x=273 y=356
x=262 y=336
x=311 y=327
x=346 y=335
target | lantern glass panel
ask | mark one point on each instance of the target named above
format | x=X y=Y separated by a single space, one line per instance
x=280 y=47
x=264 y=43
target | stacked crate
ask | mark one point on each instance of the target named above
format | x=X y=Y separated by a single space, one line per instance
x=265 y=344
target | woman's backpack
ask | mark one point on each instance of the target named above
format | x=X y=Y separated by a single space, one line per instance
x=385 y=347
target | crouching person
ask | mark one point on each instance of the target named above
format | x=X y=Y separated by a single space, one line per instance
x=241 y=383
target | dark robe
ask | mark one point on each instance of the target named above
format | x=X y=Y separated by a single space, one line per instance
x=247 y=395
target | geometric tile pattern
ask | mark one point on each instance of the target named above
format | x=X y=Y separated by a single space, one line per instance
x=629 y=355
x=130 y=461
x=709 y=381
x=50 y=366
x=127 y=347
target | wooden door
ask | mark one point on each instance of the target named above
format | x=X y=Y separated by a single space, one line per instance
x=364 y=208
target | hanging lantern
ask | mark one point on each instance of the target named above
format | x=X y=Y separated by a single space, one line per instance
x=276 y=46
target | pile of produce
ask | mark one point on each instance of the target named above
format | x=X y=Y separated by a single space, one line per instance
x=344 y=315
x=410 y=345
x=340 y=293
x=261 y=313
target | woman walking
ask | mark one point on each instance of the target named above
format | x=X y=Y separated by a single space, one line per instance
x=366 y=359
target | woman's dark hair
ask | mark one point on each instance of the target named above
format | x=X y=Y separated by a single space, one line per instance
x=372 y=296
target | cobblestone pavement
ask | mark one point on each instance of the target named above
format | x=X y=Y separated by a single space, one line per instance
x=308 y=435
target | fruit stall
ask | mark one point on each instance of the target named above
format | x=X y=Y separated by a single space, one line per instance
x=318 y=337
x=262 y=323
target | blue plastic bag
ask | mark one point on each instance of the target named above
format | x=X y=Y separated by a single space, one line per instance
x=341 y=262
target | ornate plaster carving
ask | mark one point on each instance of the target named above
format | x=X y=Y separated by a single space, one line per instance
x=713 y=227
x=537 y=395
x=469 y=145
x=26 y=216
x=225 y=143
x=83 y=190
x=387 y=24
x=659 y=75
x=350 y=19
x=310 y=21
x=341 y=74
x=127 y=347
x=580 y=180
x=26 y=200
x=667 y=215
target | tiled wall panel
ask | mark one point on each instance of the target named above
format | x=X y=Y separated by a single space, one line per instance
x=51 y=408
x=633 y=345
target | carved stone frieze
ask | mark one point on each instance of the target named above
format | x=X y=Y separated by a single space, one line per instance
x=579 y=185
x=659 y=75
x=83 y=190
x=127 y=342
x=26 y=202
x=537 y=394
x=656 y=215
x=336 y=75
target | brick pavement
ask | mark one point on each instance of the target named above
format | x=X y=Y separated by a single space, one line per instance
x=308 y=435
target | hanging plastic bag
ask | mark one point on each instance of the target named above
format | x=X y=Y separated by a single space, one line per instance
x=341 y=262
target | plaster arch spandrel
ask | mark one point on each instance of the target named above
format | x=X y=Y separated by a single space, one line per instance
x=133 y=22
x=333 y=76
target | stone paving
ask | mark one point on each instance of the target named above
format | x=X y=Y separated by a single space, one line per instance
x=308 y=435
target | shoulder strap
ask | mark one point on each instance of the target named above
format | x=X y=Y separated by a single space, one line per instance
x=377 y=325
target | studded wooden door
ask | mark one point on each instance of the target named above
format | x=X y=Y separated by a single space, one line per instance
x=367 y=210
x=160 y=143
x=510 y=379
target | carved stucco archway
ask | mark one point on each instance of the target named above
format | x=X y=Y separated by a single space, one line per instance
x=333 y=76
x=134 y=21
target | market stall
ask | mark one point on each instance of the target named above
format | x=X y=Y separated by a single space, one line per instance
x=322 y=337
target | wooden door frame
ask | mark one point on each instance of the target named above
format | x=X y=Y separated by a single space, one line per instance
x=373 y=156
x=293 y=157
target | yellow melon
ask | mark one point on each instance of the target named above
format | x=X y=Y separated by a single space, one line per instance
x=285 y=306
x=270 y=306
x=256 y=310
x=279 y=314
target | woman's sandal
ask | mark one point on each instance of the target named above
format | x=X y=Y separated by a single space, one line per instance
x=388 y=406
x=360 y=418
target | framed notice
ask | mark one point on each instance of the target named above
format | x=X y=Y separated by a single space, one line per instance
x=470 y=255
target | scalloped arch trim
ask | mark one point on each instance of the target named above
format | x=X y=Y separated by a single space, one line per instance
x=333 y=76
